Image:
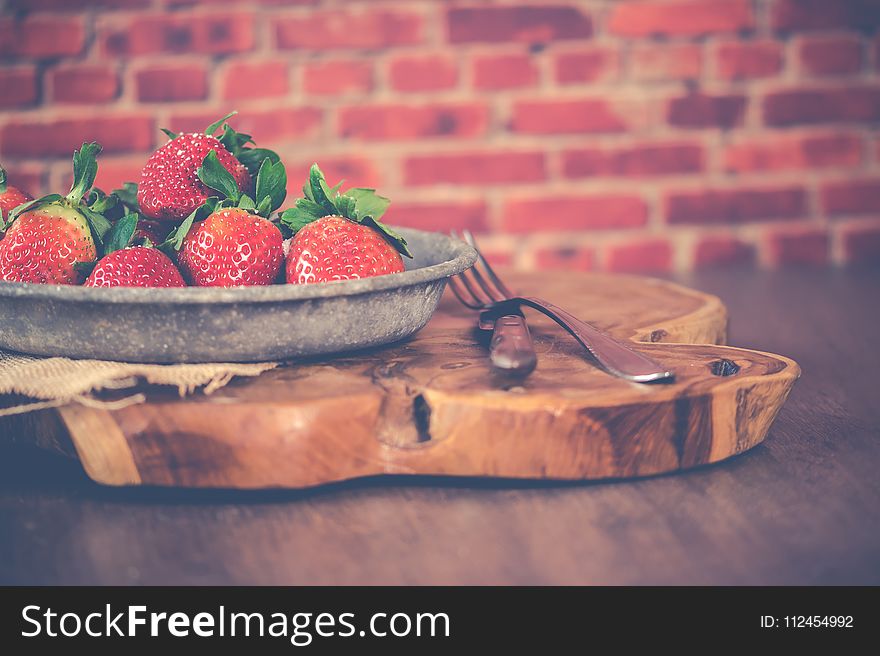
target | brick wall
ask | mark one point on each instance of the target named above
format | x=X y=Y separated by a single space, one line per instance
x=624 y=135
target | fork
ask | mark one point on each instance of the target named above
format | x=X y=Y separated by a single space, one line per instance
x=484 y=291
x=511 y=350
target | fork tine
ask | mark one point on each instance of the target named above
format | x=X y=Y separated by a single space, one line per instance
x=475 y=289
x=469 y=238
x=490 y=291
x=461 y=294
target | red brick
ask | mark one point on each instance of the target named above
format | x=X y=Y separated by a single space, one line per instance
x=805 y=106
x=84 y=84
x=504 y=72
x=575 y=213
x=698 y=110
x=529 y=24
x=423 y=72
x=19 y=87
x=810 y=248
x=567 y=116
x=851 y=196
x=211 y=33
x=42 y=36
x=862 y=245
x=830 y=55
x=723 y=251
x=633 y=161
x=680 y=17
x=474 y=168
x=567 y=259
x=497 y=256
x=651 y=256
x=439 y=216
x=774 y=152
x=255 y=79
x=732 y=206
x=586 y=66
x=330 y=78
x=29 y=178
x=172 y=82
x=118 y=134
x=350 y=28
x=662 y=61
x=797 y=15
x=394 y=122
x=77 y=5
x=750 y=59
x=354 y=170
x=112 y=172
x=266 y=126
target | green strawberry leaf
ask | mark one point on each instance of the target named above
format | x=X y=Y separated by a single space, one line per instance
x=368 y=203
x=127 y=195
x=246 y=202
x=233 y=140
x=100 y=202
x=265 y=208
x=85 y=168
x=253 y=158
x=301 y=214
x=346 y=206
x=215 y=176
x=211 y=129
x=98 y=223
x=174 y=241
x=18 y=210
x=2 y=180
x=271 y=184
x=393 y=238
x=171 y=135
x=320 y=191
x=121 y=234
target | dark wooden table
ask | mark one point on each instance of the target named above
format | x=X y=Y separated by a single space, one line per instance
x=801 y=508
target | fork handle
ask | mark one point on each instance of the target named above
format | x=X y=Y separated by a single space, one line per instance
x=616 y=357
x=511 y=349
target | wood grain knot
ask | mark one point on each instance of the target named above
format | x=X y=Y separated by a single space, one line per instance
x=723 y=367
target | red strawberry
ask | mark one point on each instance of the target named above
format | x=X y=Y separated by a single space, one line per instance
x=232 y=247
x=335 y=248
x=10 y=197
x=339 y=236
x=170 y=188
x=135 y=267
x=48 y=237
x=235 y=244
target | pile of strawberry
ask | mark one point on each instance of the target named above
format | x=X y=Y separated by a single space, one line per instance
x=205 y=213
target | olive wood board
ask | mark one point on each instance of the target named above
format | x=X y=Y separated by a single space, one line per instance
x=432 y=405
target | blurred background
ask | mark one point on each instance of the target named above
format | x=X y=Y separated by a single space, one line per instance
x=621 y=135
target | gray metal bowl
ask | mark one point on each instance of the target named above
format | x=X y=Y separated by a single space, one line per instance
x=241 y=324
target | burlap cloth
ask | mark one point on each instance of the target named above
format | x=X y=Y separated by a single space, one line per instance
x=51 y=382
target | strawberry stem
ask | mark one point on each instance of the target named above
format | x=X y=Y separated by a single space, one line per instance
x=85 y=168
x=2 y=180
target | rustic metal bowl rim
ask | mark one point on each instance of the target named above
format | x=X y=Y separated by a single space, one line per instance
x=463 y=256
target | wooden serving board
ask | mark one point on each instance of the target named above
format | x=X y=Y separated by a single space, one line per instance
x=431 y=405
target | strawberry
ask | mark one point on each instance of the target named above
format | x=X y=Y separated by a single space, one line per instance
x=235 y=244
x=136 y=266
x=48 y=238
x=10 y=197
x=339 y=236
x=170 y=188
x=232 y=247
